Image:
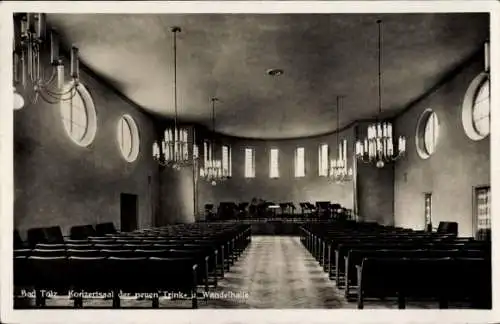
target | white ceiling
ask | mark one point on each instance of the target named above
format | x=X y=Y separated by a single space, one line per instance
x=322 y=55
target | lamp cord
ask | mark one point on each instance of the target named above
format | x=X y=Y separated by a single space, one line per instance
x=338 y=123
x=213 y=116
x=379 y=22
x=175 y=30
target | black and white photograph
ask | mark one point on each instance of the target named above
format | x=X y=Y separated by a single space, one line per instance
x=285 y=157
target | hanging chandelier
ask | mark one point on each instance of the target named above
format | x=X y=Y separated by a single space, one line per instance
x=212 y=171
x=173 y=149
x=378 y=146
x=30 y=44
x=338 y=167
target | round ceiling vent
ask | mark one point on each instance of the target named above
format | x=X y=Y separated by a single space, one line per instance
x=275 y=72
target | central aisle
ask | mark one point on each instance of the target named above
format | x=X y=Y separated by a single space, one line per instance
x=276 y=272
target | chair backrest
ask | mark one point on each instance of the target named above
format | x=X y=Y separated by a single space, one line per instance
x=83 y=253
x=125 y=253
x=71 y=241
x=309 y=205
x=135 y=245
x=36 y=235
x=242 y=206
x=120 y=270
x=86 y=272
x=148 y=253
x=52 y=246
x=323 y=205
x=105 y=228
x=77 y=233
x=171 y=274
x=335 y=207
x=88 y=230
x=448 y=227
x=49 y=272
x=22 y=252
x=22 y=272
x=49 y=252
x=54 y=234
x=111 y=246
x=17 y=240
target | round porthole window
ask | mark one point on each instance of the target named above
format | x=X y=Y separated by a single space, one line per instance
x=427 y=134
x=79 y=115
x=476 y=108
x=128 y=138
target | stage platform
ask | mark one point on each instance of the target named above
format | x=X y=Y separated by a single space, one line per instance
x=275 y=226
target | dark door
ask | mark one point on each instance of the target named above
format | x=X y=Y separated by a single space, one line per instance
x=128 y=212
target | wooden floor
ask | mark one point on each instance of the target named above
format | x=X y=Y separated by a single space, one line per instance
x=277 y=272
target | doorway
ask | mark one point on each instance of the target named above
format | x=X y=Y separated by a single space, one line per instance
x=128 y=212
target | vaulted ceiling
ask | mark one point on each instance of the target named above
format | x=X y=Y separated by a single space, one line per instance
x=227 y=55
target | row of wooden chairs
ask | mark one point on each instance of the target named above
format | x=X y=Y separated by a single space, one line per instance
x=80 y=278
x=53 y=234
x=442 y=279
x=343 y=250
x=127 y=265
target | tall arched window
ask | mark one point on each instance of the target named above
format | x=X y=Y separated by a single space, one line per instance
x=299 y=163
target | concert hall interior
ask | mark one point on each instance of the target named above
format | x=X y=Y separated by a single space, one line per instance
x=252 y=161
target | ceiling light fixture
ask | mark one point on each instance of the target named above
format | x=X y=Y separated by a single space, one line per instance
x=30 y=44
x=18 y=100
x=338 y=167
x=275 y=72
x=213 y=170
x=174 y=147
x=378 y=146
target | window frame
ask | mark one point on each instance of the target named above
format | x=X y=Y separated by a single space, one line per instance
x=322 y=159
x=135 y=142
x=432 y=125
x=252 y=165
x=468 y=106
x=229 y=163
x=480 y=88
x=296 y=160
x=420 y=133
x=90 y=111
x=271 y=168
x=475 y=208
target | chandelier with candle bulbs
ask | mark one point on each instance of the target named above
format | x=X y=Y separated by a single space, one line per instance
x=31 y=42
x=212 y=171
x=174 y=148
x=339 y=172
x=378 y=147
